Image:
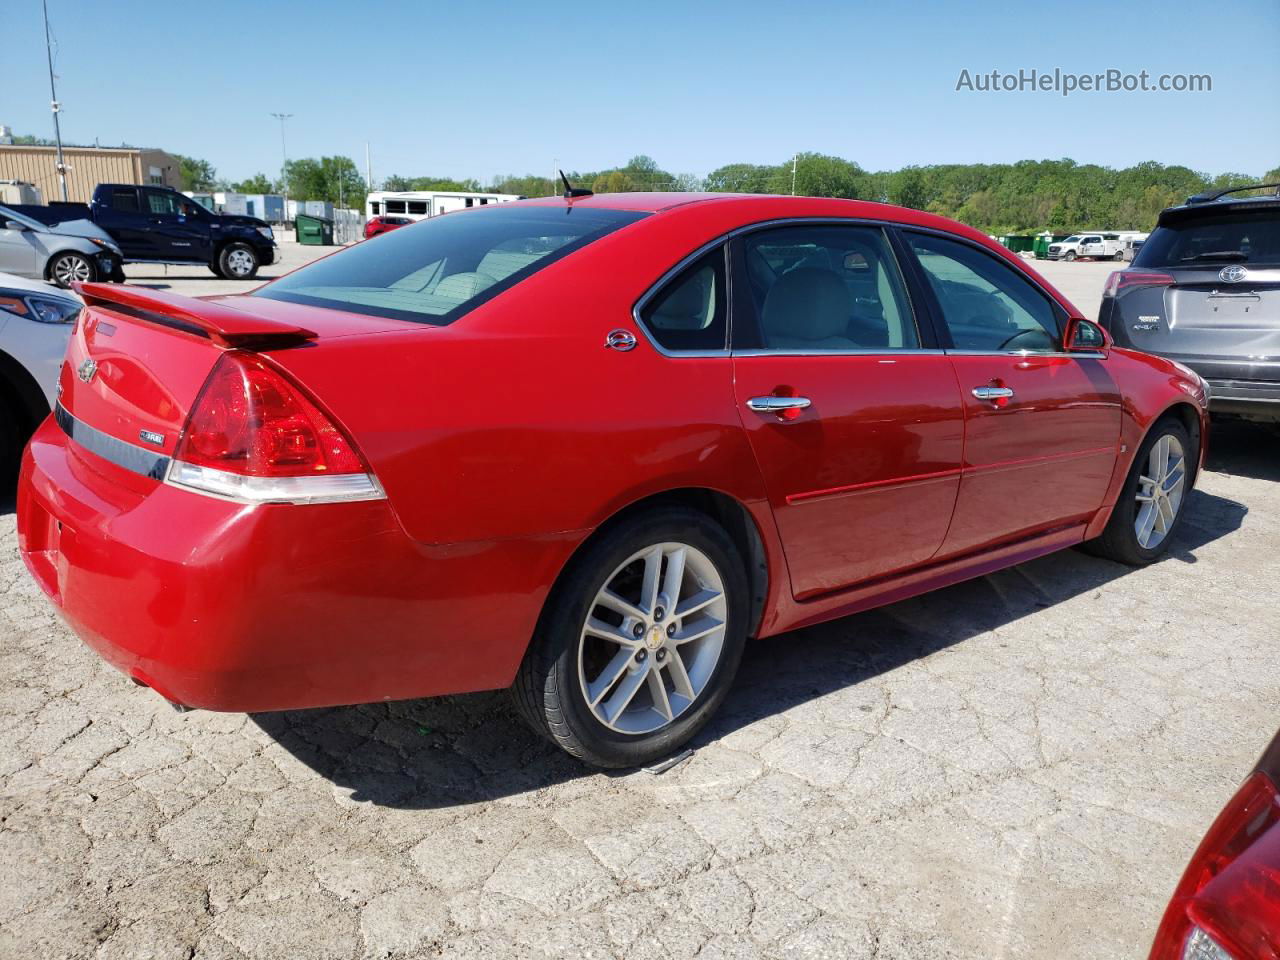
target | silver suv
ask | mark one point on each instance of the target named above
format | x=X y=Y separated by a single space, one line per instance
x=1204 y=289
x=63 y=253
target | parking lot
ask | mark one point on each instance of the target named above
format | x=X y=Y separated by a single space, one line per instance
x=1018 y=766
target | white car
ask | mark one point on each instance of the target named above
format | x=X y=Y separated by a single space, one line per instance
x=76 y=250
x=35 y=323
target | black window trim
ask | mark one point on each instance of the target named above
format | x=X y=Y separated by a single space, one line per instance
x=930 y=301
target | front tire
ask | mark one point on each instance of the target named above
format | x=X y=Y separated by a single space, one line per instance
x=70 y=267
x=1152 y=501
x=1069 y=256
x=639 y=642
x=237 y=261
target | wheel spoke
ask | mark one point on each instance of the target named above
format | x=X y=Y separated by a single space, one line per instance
x=658 y=689
x=691 y=605
x=617 y=604
x=1146 y=521
x=608 y=676
x=1166 y=515
x=607 y=631
x=679 y=676
x=625 y=693
x=652 y=579
x=705 y=627
x=674 y=578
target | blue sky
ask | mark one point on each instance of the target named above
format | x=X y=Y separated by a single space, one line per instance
x=481 y=89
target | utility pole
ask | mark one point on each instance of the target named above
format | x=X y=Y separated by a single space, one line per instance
x=794 y=158
x=284 y=162
x=368 y=166
x=53 y=97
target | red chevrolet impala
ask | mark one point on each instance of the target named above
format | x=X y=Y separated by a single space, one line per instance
x=582 y=448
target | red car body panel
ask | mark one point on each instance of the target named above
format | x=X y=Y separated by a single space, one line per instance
x=377 y=225
x=505 y=439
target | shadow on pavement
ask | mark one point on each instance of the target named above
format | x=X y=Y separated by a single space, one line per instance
x=1242 y=449
x=460 y=750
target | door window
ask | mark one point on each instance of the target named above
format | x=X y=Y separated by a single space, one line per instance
x=125 y=201
x=824 y=289
x=689 y=313
x=986 y=305
x=163 y=204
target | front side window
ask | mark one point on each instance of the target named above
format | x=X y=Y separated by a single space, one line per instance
x=446 y=266
x=822 y=288
x=689 y=313
x=986 y=305
x=163 y=204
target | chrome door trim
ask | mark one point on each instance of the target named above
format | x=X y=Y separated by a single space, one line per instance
x=1028 y=354
x=888 y=352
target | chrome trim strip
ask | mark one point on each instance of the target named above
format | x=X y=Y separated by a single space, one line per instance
x=868 y=352
x=1029 y=354
x=128 y=456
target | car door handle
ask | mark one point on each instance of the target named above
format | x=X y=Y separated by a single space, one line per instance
x=992 y=393
x=778 y=404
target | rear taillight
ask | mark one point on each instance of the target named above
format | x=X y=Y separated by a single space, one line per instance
x=254 y=436
x=1227 y=905
x=1124 y=279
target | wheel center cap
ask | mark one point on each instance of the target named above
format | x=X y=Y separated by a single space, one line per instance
x=655 y=638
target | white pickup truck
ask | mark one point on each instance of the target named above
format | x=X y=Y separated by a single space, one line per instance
x=1103 y=246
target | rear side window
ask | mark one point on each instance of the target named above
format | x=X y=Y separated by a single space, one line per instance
x=126 y=201
x=448 y=265
x=1230 y=238
x=689 y=312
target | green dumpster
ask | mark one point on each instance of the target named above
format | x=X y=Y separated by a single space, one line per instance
x=1017 y=243
x=314 y=231
x=1041 y=248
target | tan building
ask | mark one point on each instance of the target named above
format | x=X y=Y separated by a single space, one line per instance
x=86 y=168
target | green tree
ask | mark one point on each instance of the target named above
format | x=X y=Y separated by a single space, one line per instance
x=335 y=179
x=196 y=174
x=258 y=183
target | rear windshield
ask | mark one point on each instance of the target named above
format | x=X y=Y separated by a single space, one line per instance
x=1225 y=238
x=437 y=270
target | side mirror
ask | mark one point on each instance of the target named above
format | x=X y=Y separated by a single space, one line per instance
x=1085 y=336
x=14 y=225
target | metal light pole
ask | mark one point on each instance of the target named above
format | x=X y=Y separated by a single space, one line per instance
x=53 y=96
x=284 y=162
x=793 y=173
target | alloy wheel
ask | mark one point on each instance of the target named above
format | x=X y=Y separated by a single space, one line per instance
x=71 y=269
x=240 y=263
x=652 y=638
x=1160 y=492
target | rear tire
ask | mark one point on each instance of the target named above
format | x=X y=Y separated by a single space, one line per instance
x=70 y=267
x=648 y=683
x=1143 y=522
x=238 y=261
x=216 y=270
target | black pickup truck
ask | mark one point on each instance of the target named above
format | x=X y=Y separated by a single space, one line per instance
x=161 y=225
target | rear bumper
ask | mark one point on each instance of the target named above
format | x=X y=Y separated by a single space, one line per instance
x=224 y=606
x=1253 y=399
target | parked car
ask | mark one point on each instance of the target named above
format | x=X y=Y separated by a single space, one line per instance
x=1204 y=289
x=1227 y=904
x=1101 y=246
x=527 y=445
x=35 y=321
x=153 y=224
x=67 y=253
x=377 y=225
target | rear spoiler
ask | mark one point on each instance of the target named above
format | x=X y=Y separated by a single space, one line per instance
x=223 y=325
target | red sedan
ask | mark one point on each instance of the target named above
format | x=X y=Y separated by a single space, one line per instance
x=377 y=225
x=582 y=448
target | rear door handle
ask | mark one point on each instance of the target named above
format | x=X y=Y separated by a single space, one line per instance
x=992 y=393
x=778 y=404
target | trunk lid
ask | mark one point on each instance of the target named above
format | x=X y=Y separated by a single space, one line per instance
x=138 y=358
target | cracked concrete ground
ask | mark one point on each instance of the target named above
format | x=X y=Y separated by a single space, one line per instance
x=999 y=769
